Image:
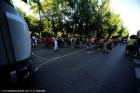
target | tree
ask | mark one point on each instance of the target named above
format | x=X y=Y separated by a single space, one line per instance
x=84 y=17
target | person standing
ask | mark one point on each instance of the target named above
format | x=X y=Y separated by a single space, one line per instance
x=47 y=41
x=138 y=37
x=92 y=41
x=67 y=42
x=34 y=42
x=130 y=45
x=77 y=42
x=55 y=44
x=105 y=47
x=59 y=42
x=62 y=39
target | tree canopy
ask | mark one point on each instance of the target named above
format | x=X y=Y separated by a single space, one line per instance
x=83 y=17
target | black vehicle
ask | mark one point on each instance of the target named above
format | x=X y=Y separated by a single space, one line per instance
x=15 y=44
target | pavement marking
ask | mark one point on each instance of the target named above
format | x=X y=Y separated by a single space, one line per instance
x=91 y=52
x=49 y=60
x=66 y=55
x=40 y=57
x=40 y=65
x=42 y=61
x=36 y=69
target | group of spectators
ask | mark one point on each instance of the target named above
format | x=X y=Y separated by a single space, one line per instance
x=101 y=44
x=104 y=45
x=56 y=42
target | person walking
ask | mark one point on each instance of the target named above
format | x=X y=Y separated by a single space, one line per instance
x=138 y=37
x=138 y=40
x=55 y=44
x=34 y=43
x=130 y=45
x=92 y=41
x=77 y=42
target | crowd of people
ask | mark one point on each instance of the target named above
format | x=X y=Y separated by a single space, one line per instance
x=55 y=42
x=104 y=45
x=100 y=44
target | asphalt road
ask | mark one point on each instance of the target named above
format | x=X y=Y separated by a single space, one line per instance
x=82 y=71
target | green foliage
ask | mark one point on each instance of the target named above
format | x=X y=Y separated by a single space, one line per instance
x=84 y=17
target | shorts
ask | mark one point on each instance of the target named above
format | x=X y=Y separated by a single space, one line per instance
x=138 y=41
x=129 y=47
x=136 y=48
